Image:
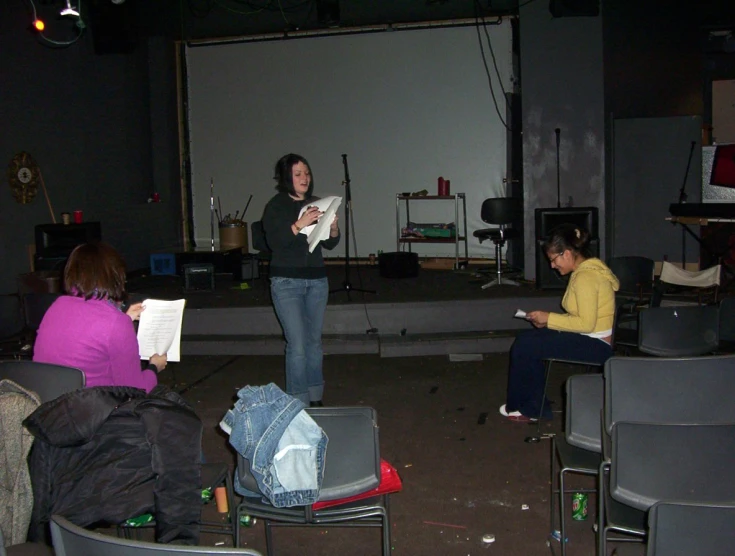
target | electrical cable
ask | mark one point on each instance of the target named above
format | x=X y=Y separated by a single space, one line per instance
x=487 y=69
x=52 y=43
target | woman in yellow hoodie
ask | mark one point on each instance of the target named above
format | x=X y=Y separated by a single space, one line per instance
x=583 y=332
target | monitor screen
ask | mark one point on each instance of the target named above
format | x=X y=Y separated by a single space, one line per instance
x=549 y=218
x=59 y=240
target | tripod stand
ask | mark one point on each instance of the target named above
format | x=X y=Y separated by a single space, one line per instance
x=346 y=284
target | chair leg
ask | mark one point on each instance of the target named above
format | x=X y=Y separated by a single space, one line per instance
x=268 y=538
x=538 y=436
x=499 y=280
x=385 y=518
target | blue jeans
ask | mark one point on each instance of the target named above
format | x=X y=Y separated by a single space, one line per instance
x=300 y=306
x=527 y=374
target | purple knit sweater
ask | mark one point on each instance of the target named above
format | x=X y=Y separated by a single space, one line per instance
x=97 y=338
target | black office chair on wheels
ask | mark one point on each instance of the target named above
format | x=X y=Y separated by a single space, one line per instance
x=500 y=211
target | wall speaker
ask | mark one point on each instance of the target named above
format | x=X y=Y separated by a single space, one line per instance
x=398 y=265
x=549 y=279
x=114 y=26
x=574 y=8
x=198 y=277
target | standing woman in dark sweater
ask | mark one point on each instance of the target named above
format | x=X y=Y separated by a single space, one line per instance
x=299 y=286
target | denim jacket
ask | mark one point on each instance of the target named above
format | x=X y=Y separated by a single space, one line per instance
x=285 y=447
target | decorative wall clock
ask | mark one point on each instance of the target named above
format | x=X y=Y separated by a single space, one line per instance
x=23 y=177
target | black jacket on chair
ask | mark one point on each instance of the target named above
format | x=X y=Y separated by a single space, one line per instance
x=106 y=454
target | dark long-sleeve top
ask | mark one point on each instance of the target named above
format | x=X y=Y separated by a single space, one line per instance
x=290 y=256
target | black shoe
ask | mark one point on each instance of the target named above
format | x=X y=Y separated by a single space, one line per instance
x=317 y=403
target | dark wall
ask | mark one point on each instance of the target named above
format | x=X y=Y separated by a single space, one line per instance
x=562 y=87
x=102 y=128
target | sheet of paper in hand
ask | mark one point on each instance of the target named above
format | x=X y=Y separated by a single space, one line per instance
x=320 y=231
x=159 y=330
x=520 y=314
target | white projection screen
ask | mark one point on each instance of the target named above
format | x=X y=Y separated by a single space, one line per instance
x=406 y=107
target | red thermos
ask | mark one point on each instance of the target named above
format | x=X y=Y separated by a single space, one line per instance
x=443 y=186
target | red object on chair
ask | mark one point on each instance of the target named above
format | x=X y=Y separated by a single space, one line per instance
x=389 y=482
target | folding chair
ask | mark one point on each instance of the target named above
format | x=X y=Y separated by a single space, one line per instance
x=72 y=540
x=579 y=450
x=678 y=331
x=686 y=528
x=657 y=390
x=352 y=467
x=694 y=287
x=690 y=462
x=47 y=380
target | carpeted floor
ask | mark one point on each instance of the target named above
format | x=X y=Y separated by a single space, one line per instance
x=466 y=471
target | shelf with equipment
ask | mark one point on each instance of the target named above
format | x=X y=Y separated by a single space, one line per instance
x=460 y=233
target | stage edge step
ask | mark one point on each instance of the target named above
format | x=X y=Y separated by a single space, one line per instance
x=386 y=346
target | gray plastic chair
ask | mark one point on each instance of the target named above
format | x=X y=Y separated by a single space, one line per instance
x=683 y=529
x=664 y=391
x=579 y=450
x=72 y=540
x=678 y=331
x=688 y=462
x=352 y=467
x=47 y=380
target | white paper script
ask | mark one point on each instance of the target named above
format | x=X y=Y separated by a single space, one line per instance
x=159 y=330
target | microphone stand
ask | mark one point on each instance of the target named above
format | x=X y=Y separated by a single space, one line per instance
x=346 y=284
x=682 y=200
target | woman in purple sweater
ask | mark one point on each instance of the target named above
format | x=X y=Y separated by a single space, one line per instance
x=87 y=329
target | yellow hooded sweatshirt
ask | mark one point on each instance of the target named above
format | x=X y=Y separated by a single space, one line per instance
x=589 y=300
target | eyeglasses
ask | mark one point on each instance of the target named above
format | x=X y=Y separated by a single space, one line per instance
x=552 y=259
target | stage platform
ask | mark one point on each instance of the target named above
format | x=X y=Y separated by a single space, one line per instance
x=438 y=312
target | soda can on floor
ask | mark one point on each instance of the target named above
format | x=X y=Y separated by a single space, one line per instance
x=579 y=506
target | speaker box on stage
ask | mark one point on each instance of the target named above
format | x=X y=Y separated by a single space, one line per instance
x=398 y=265
x=549 y=279
x=198 y=277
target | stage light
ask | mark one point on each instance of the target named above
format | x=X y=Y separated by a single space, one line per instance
x=39 y=25
x=69 y=10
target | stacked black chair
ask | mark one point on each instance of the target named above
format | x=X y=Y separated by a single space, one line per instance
x=659 y=391
x=683 y=529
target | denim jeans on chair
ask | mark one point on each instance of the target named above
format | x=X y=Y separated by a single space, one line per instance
x=300 y=306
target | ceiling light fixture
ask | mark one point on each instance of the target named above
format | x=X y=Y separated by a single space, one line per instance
x=69 y=10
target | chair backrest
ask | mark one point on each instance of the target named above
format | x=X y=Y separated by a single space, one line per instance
x=634 y=273
x=683 y=390
x=683 y=529
x=353 y=454
x=47 y=380
x=501 y=210
x=72 y=540
x=727 y=319
x=678 y=331
x=707 y=278
x=584 y=404
x=35 y=306
x=257 y=233
x=687 y=462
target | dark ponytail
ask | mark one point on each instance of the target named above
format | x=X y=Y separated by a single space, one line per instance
x=568 y=237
